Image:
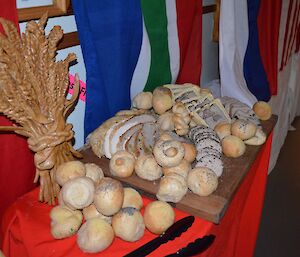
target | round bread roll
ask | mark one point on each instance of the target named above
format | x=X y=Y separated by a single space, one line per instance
x=94 y=172
x=243 y=129
x=132 y=198
x=78 y=193
x=69 y=170
x=181 y=169
x=162 y=100
x=122 y=164
x=223 y=129
x=92 y=212
x=202 y=181
x=64 y=222
x=233 y=146
x=190 y=152
x=168 y=153
x=165 y=121
x=158 y=216
x=165 y=136
x=172 y=188
x=262 y=110
x=147 y=168
x=95 y=235
x=143 y=100
x=128 y=224
x=259 y=138
x=108 y=197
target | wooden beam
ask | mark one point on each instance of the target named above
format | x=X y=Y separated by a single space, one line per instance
x=69 y=40
x=208 y=8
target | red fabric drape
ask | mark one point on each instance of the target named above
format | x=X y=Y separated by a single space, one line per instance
x=16 y=166
x=189 y=24
x=268 y=32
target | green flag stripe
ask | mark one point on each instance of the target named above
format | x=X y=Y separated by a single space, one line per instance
x=155 y=18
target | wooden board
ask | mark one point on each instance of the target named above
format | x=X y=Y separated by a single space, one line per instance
x=211 y=208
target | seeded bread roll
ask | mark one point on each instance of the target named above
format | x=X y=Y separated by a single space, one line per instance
x=243 y=129
x=172 y=188
x=223 y=129
x=95 y=235
x=108 y=197
x=202 y=181
x=233 y=146
x=78 y=193
x=158 y=216
x=181 y=169
x=94 y=172
x=147 y=168
x=92 y=212
x=128 y=224
x=132 y=198
x=262 y=110
x=69 y=170
x=122 y=164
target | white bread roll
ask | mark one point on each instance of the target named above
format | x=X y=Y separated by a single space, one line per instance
x=190 y=152
x=172 y=188
x=95 y=235
x=262 y=110
x=92 y=212
x=243 y=129
x=233 y=146
x=64 y=222
x=162 y=100
x=202 y=181
x=94 y=172
x=223 y=129
x=78 y=193
x=259 y=138
x=158 y=216
x=147 y=168
x=128 y=224
x=122 y=164
x=165 y=121
x=108 y=197
x=181 y=169
x=142 y=100
x=69 y=170
x=132 y=198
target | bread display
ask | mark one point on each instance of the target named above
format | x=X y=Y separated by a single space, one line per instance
x=64 y=222
x=94 y=172
x=262 y=110
x=122 y=164
x=233 y=146
x=147 y=168
x=132 y=198
x=78 y=193
x=128 y=224
x=202 y=181
x=108 y=197
x=69 y=170
x=158 y=216
x=95 y=235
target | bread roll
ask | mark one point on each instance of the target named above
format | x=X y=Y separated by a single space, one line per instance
x=243 y=129
x=95 y=235
x=172 y=188
x=259 y=138
x=262 y=110
x=108 y=197
x=94 y=172
x=162 y=100
x=202 y=181
x=92 y=212
x=128 y=224
x=143 y=100
x=132 y=198
x=168 y=153
x=69 y=170
x=181 y=169
x=233 y=146
x=158 y=216
x=190 y=152
x=78 y=193
x=64 y=222
x=147 y=168
x=122 y=164
x=223 y=129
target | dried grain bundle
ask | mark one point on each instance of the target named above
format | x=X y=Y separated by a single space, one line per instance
x=33 y=89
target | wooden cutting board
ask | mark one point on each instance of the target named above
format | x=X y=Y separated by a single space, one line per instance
x=211 y=208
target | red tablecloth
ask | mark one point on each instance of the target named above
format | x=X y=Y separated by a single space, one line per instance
x=27 y=225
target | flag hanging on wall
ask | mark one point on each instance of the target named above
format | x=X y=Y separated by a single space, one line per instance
x=131 y=46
